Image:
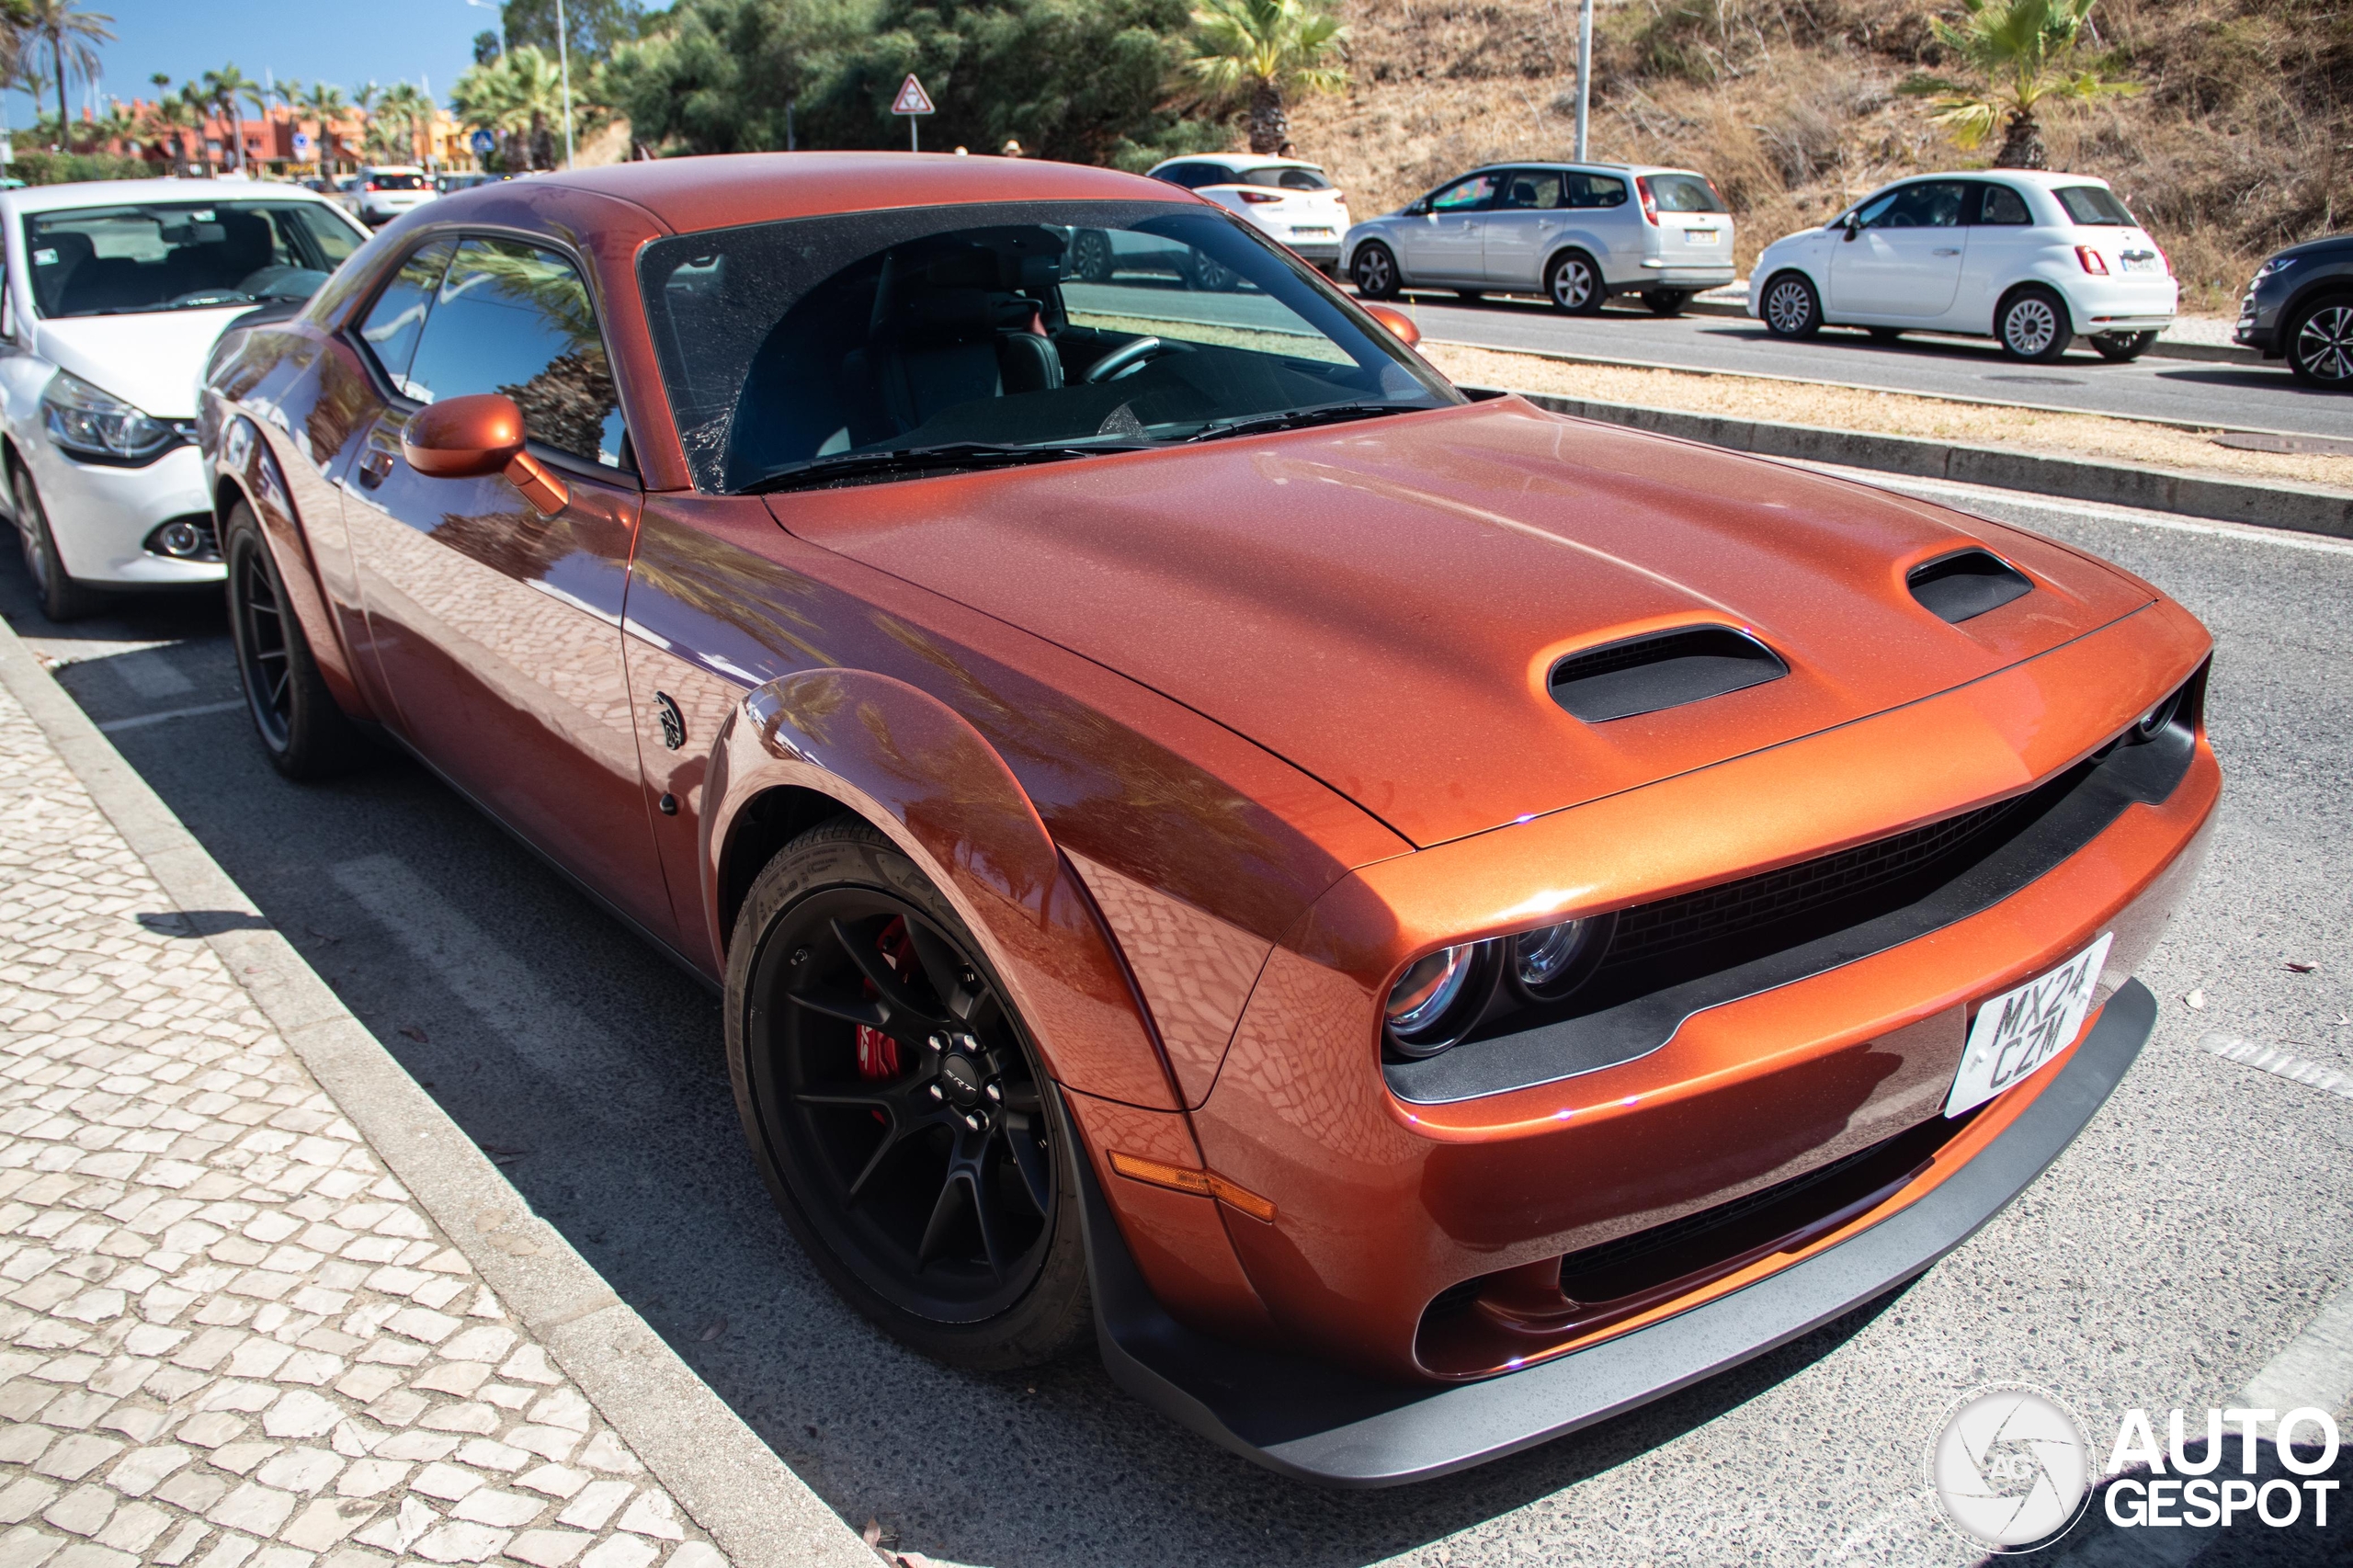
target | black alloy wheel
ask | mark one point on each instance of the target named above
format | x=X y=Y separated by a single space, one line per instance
x=1213 y=276
x=1374 y=272
x=897 y=1108
x=1090 y=256
x=62 y=599
x=303 y=728
x=1666 y=302
x=1790 y=307
x=1573 y=284
x=2033 y=326
x=2320 y=346
x=2120 y=347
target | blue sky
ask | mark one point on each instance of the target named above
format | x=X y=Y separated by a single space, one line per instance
x=344 y=41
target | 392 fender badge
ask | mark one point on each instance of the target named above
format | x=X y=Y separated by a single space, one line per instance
x=673 y=723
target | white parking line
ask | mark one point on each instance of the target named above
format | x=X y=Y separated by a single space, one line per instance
x=2314 y=1371
x=142 y=720
x=2271 y=1059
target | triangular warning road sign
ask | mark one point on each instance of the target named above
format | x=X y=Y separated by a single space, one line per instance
x=912 y=98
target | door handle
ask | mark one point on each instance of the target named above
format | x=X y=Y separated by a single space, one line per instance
x=1945 y=250
x=375 y=468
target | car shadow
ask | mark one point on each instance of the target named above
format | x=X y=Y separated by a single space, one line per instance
x=592 y=1070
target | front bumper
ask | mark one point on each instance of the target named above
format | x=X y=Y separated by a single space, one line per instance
x=2258 y=325
x=101 y=516
x=1319 y=1423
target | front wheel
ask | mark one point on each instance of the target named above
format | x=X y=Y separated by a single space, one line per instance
x=303 y=728
x=2033 y=326
x=1790 y=307
x=2320 y=346
x=898 y=1109
x=1374 y=272
x=1573 y=284
x=1090 y=256
x=62 y=599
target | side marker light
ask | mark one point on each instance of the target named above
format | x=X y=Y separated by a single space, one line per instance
x=1204 y=1184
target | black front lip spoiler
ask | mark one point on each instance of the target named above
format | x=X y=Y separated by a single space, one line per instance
x=1319 y=1423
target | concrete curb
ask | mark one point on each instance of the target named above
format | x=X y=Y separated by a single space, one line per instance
x=761 y=1514
x=2302 y=509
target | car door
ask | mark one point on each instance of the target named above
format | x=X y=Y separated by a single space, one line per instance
x=1605 y=221
x=1446 y=242
x=1901 y=260
x=496 y=628
x=2003 y=241
x=1519 y=226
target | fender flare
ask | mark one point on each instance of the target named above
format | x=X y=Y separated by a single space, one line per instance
x=915 y=769
x=1586 y=245
x=244 y=469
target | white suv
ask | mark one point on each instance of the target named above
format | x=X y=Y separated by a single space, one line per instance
x=113 y=296
x=2029 y=258
x=1293 y=203
x=379 y=193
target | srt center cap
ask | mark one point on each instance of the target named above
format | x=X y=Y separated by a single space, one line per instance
x=962 y=1079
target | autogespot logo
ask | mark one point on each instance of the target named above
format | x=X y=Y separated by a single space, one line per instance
x=2009 y=1466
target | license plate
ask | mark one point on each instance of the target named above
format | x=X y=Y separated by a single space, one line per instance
x=1311 y=233
x=1700 y=236
x=2139 y=263
x=2019 y=1030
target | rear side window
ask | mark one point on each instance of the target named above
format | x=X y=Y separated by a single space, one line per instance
x=1683 y=193
x=2094 y=206
x=512 y=318
x=391 y=327
x=2003 y=205
x=1284 y=178
x=1592 y=190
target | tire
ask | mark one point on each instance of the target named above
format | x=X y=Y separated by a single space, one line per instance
x=1789 y=306
x=2032 y=327
x=62 y=599
x=1573 y=282
x=1666 y=302
x=1374 y=272
x=1884 y=335
x=1214 y=275
x=2319 y=345
x=1090 y=256
x=895 y=1220
x=2120 y=347
x=304 y=731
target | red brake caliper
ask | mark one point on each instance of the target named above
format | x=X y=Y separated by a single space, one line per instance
x=877 y=1053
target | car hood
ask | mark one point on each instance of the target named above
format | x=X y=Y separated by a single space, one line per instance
x=1382 y=604
x=152 y=361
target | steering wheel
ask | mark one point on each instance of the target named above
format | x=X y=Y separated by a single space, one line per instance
x=1123 y=359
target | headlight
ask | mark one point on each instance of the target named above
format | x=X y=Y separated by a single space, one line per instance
x=1549 y=963
x=1440 y=996
x=92 y=423
x=2274 y=268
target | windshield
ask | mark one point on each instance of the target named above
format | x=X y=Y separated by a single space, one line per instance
x=1060 y=328
x=100 y=261
x=2092 y=206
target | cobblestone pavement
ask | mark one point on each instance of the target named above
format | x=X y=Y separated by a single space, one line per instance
x=228 y=1339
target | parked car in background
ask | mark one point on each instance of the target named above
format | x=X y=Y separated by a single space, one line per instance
x=2029 y=258
x=1575 y=233
x=445 y=184
x=382 y=193
x=2300 y=308
x=1293 y=202
x=114 y=294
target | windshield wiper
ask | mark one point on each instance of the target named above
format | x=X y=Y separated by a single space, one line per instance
x=1300 y=418
x=849 y=467
x=211 y=300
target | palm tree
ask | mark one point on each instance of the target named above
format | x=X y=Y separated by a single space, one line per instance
x=325 y=104
x=15 y=23
x=73 y=36
x=222 y=90
x=403 y=106
x=2014 y=55
x=166 y=118
x=516 y=96
x=1269 y=48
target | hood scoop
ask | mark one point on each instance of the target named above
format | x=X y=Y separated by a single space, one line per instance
x=1661 y=670
x=1964 y=585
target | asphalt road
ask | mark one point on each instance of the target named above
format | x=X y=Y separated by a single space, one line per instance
x=2198 y=1225
x=2213 y=393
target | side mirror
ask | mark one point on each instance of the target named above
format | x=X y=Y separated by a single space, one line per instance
x=472 y=438
x=1401 y=325
x=1853 y=226
x=1416 y=208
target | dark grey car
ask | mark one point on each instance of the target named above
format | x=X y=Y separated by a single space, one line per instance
x=2300 y=308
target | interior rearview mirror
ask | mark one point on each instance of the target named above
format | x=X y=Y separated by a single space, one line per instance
x=477 y=436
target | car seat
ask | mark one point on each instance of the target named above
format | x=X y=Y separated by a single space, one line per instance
x=51 y=279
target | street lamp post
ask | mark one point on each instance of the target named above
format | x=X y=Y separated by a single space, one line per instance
x=1585 y=72
x=563 y=64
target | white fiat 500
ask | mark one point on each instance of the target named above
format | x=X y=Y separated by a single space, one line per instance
x=2028 y=258
x=1294 y=203
x=113 y=296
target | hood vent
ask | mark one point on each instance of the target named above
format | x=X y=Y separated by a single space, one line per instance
x=1965 y=586
x=1666 y=669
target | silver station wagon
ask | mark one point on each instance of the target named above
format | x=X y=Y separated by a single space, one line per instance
x=1575 y=232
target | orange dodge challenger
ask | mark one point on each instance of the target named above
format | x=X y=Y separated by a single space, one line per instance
x=1419 y=923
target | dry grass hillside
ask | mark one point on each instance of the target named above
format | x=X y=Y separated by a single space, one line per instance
x=2240 y=141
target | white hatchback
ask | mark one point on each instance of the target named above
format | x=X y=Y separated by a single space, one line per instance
x=382 y=193
x=2028 y=258
x=114 y=295
x=1292 y=202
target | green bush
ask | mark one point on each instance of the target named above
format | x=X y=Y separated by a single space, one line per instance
x=64 y=168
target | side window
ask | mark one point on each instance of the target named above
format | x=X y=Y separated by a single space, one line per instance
x=513 y=318
x=1594 y=190
x=2004 y=205
x=1530 y=189
x=1927 y=204
x=1465 y=195
x=1180 y=174
x=391 y=327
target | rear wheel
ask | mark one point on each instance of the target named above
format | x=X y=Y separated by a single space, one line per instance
x=897 y=1108
x=1574 y=283
x=1374 y=272
x=2032 y=327
x=2320 y=346
x=1666 y=302
x=62 y=599
x=303 y=728
x=1790 y=307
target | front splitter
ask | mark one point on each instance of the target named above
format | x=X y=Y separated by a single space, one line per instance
x=1319 y=1423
